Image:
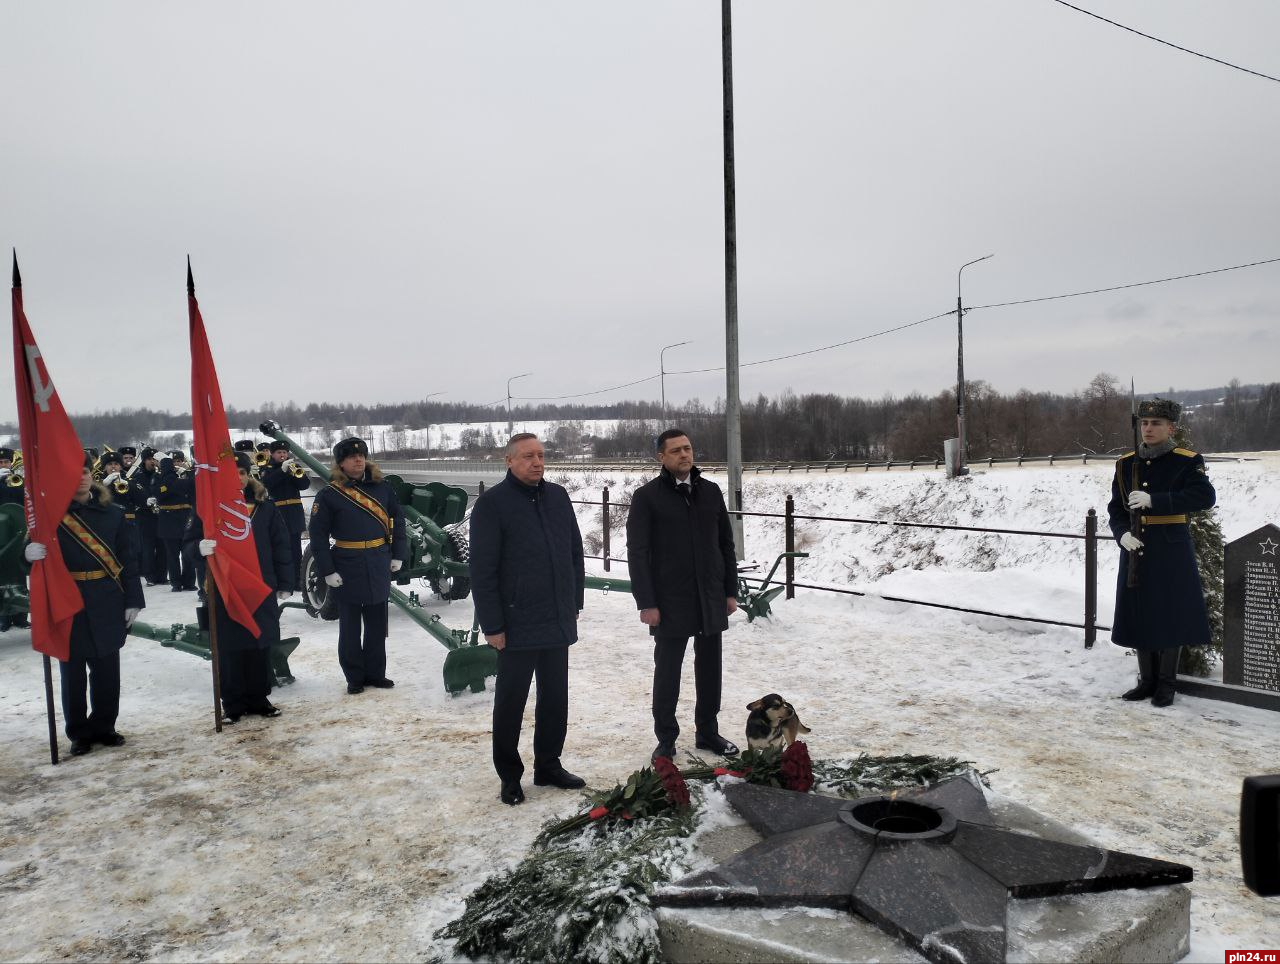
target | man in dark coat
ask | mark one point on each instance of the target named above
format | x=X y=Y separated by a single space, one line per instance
x=286 y=479
x=152 y=565
x=174 y=496
x=99 y=554
x=1166 y=610
x=359 y=510
x=684 y=576
x=244 y=662
x=528 y=582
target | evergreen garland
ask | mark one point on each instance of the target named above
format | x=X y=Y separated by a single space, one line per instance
x=582 y=893
x=1206 y=536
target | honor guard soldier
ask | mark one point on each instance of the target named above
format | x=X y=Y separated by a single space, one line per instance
x=151 y=565
x=1165 y=611
x=99 y=554
x=11 y=489
x=174 y=495
x=243 y=661
x=358 y=509
x=286 y=480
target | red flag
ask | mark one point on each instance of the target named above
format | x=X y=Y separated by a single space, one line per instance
x=52 y=463
x=219 y=498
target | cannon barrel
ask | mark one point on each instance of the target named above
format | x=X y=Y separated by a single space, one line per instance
x=271 y=428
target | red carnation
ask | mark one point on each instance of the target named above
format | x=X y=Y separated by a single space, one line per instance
x=672 y=781
x=797 y=768
x=726 y=772
x=598 y=812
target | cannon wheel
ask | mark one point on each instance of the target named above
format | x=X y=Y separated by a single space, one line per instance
x=315 y=593
x=453 y=587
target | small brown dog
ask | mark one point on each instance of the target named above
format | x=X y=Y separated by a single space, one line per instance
x=773 y=722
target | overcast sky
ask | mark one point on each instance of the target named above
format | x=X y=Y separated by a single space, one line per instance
x=384 y=200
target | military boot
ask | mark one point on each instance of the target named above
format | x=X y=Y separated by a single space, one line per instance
x=1148 y=672
x=1167 y=678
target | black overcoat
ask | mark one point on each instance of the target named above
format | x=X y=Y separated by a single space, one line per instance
x=275 y=564
x=366 y=573
x=175 y=496
x=528 y=578
x=1166 y=609
x=99 y=629
x=681 y=555
x=286 y=492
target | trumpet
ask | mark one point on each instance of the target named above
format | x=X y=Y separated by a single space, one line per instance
x=13 y=479
x=121 y=486
x=294 y=468
x=262 y=458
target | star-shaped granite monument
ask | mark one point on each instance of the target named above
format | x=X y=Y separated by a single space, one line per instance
x=928 y=866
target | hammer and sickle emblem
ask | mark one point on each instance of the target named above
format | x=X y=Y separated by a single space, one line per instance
x=41 y=391
x=229 y=528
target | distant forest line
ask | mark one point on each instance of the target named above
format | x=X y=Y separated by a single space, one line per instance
x=786 y=427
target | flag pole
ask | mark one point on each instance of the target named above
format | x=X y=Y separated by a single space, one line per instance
x=48 y=702
x=211 y=602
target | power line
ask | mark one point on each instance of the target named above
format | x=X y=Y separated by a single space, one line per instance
x=1185 y=50
x=1136 y=284
x=598 y=391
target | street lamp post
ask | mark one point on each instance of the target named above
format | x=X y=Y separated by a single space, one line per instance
x=510 y=429
x=662 y=378
x=960 y=437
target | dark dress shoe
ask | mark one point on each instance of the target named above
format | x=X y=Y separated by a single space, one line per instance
x=354 y=688
x=1143 y=691
x=176 y=589
x=716 y=744
x=111 y=739
x=382 y=684
x=562 y=779
x=1163 y=697
x=81 y=747
x=663 y=749
x=265 y=708
x=231 y=718
x=511 y=792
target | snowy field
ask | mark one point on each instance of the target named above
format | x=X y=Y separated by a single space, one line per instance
x=352 y=827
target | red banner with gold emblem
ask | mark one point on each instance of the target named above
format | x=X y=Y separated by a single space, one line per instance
x=52 y=463
x=219 y=497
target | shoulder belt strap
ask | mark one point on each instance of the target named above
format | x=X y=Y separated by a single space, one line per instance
x=93 y=542
x=365 y=502
x=1186 y=452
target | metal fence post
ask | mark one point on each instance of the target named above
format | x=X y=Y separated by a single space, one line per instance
x=480 y=489
x=604 y=505
x=1090 y=579
x=791 y=546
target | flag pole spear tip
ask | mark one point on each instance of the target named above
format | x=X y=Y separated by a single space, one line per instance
x=17 y=278
x=191 y=284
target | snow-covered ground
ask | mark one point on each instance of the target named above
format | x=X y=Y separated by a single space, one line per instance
x=353 y=826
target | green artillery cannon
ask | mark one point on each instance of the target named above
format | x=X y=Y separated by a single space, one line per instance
x=434 y=513
x=186 y=638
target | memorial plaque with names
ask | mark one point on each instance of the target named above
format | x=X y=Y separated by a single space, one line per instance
x=1251 y=630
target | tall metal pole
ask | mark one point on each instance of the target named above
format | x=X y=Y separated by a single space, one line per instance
x=662 y=378
x=428 y=398
x=510 y=429
x=960 y=436
x=732 y=402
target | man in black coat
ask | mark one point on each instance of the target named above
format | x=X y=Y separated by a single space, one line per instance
x=152 y=565
x=684 y=577
x=244 y=661
x=99 y=554
x=286 y=479
x=528 y=582
x=1165 y=610
x=174 y=495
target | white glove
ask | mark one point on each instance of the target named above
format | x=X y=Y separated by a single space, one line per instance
x=1139 y=499
x=1131 y=542
x=396 y=565
x=289 y=465
x=283 y=594
x=35 y=551
x=111 y=478
x=207 y=546
x=4 y=473
x=333 y=580
x=152 y=502
x=130 y=615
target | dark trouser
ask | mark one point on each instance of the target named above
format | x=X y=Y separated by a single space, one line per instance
x=362 y=663
x=151 y=562
x=516 y=669
x=102 y=675
x=245 y=677
x=668 y=656
x=180 y=577
x=295 y=540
